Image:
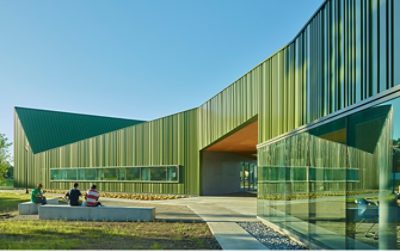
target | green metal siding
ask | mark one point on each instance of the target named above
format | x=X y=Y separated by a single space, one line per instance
x=167 y=141
x=229 y=109
x=346 y=53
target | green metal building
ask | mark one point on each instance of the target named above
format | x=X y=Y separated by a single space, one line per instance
x=320 y=118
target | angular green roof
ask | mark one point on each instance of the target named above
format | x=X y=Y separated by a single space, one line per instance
x=50 y=129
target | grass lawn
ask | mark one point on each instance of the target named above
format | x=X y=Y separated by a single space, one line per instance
x=9 y=201
x=31 y=233
x=34 y=234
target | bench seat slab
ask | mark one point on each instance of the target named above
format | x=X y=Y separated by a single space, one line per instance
x=66 y=212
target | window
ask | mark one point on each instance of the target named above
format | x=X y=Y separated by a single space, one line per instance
x=145 y=175
x=56 y=175
x=86 y=174
x=172 y=173
x=72 y=174
x=121 y=173
x=396 y=42
x=158 y=173
x=353 y=157
x=133 y=174
x=110 y=173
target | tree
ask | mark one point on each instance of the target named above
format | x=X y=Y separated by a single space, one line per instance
x=10 y=172
x=5 y=165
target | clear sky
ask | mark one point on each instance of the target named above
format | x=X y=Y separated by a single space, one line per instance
x=135 y=59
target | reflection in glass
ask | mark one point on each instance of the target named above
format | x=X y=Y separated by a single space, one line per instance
x=158 y=173
x=172 y=173
x=100 y=174
x=72 y=174
x=121 y=173
x=336 y=184
x=110 y=174
x=248 y=176
x=396 y=42
x=133 y=173
x=152 y=174
x=88 y=174
x=145 y=175
x=56 y=174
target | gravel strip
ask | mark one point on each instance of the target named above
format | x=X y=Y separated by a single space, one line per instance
x=270 y=238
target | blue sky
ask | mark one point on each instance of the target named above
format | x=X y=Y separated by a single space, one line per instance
x=135 y=59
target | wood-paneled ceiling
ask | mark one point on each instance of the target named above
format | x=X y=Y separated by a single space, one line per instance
x=243 y=141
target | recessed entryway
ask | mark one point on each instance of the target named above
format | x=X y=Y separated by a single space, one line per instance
x=229 y=166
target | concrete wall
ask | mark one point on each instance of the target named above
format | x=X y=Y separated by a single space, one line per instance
x=220 y=172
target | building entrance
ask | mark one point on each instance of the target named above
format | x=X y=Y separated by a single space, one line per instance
x=248 y=176
x=229 y=166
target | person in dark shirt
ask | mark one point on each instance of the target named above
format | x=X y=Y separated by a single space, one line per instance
x=74 y=195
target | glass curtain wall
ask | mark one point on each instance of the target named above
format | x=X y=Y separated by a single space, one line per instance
x=248 y=176
x=337 y=184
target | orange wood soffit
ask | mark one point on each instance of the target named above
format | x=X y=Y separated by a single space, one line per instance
x=244 y=141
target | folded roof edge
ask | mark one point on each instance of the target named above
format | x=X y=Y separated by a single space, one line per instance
x=46 y=129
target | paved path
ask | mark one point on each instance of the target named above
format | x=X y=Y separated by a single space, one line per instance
x=232 y=236
x=164 y=212
x=220 y=213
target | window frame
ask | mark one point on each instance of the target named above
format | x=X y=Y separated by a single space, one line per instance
x=118 y=171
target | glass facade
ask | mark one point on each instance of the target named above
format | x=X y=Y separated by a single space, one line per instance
x=131 y=174
x=248 y=176
x=337 y=184
x=396 y=41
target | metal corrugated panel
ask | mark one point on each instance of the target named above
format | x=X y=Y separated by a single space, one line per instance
x=347 y=52
x=229 y=109
x=167 y=141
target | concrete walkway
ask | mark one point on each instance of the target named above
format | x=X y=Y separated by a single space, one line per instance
x=231 y=236
x=221 y=215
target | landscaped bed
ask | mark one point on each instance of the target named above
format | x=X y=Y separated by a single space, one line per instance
x=31 y=233
x=130 y=196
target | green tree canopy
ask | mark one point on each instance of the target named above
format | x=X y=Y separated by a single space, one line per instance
x=5 y=165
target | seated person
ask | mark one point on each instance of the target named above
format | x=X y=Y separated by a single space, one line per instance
x=92 y=197
x=398 y=199
x=37 y=195
x=73 y=195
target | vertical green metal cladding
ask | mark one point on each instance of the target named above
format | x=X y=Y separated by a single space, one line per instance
x=170 y=140
x=232 y=107
x=349 y=51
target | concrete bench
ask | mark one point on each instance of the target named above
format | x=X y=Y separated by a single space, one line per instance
x=28 y=208
x=66 y=212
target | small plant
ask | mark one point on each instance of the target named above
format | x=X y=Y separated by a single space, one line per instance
x=199 y=242
x=155 y=245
